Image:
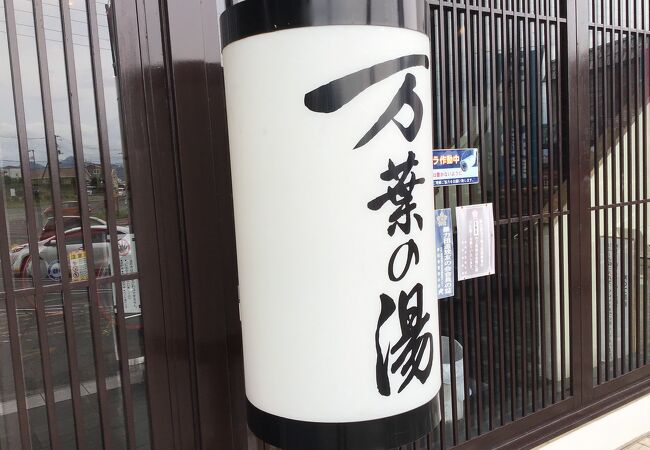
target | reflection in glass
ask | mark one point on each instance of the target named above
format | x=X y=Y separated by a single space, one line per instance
x=86 y=366
x=103 y=177
x=137 y=368
x=9 y=431
x=57 y=342
x=111 y=349
x=119 y=190
x=68 y=180
x=95 y=184
x=39 y=164
x=10 y=166
x=32 y=371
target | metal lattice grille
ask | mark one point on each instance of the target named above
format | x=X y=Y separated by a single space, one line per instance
x=499 y=87
x=619 y=89
x=71 y=353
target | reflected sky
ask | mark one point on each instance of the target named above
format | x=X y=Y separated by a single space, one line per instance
x=52 y=24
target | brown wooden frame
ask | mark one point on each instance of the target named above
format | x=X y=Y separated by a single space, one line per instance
x=174 y=115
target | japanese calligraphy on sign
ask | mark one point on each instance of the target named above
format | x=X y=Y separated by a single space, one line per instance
x=409 y=356
x=444 y=253
x=475 y=231
x=455 y=167
x=331 y=131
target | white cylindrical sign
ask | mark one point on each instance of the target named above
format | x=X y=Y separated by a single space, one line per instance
x=329 y=119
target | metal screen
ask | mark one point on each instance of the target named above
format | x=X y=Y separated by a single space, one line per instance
x=499 y=86
x=71 y=351
x=619 y=33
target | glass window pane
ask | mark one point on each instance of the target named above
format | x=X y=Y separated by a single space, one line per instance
x=112 y=360
x=137 y=367
x=68 y=180
x=86 y=365
x=39 y=164
x=10 y=167
x=119 y=190
x=58 y=351
x=9 y=430
x=33 y=371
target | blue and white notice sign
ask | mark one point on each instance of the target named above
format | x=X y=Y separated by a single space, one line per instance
x=444 y=253
x=455 y=166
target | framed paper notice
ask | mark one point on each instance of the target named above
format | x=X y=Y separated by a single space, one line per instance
x=475 y=229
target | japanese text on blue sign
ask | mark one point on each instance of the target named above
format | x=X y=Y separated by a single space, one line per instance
x=444 y=253
x=455 y=166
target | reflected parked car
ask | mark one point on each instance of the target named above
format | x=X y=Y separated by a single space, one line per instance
x=69 y=222
x=49 y=258
x=68 y=208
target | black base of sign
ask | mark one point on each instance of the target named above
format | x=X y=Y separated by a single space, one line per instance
x=378 y=434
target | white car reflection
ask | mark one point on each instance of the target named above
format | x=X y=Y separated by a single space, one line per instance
x=49 y=257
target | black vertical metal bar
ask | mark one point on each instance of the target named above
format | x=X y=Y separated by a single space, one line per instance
x=529 y=170
x=437 y=46
x=528 y=53
x=483 y=46
x=638 y=199
x=438 y=106
x=516 y=41
x=551 y=209
x=613 y=201
x=540 y=200
x=597 y=185
x=34 y=252
x=497 y=186
x=617 y=193
x=102 y=128
x=608 y=44
x=644 y=104
x=576 y=107
x=457 y=135
x=93 y=295
x=445 y=110
x=494 y=124
x=52 y=149
x=641 y=148
x=469 y=36
x=482 y=37
x=623 y=127
x=629 y=198
x=562 y=195
x=450 y=34
x=508 y=147
x=516 y=36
